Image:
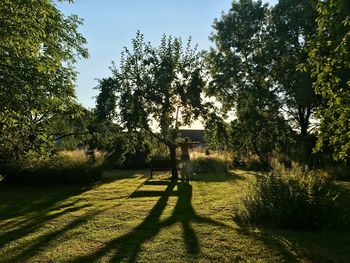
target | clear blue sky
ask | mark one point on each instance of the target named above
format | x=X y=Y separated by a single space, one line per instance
x=109 y=25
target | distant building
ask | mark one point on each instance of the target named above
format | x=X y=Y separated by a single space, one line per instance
x=194 y=135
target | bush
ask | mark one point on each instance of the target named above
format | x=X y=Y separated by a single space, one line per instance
x=296 y=198
x=209 y=165
x=137 y=160
x=258 y=165
x=66 y=168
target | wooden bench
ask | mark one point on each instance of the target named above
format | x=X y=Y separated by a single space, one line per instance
x=237 y=164
x=160 y=165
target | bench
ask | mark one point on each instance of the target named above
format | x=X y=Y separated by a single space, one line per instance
x=160 y=165
x=237 y=164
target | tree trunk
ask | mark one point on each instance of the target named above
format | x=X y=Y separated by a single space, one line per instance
x=304 y=119
x=303 y=129
x=174 y=173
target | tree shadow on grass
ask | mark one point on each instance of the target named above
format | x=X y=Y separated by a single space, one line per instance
x=21 y=200
x=24 y=209
x=111 y=176
x=127 y=247
x=44 y=241
x=217 y=177
x=36 y=201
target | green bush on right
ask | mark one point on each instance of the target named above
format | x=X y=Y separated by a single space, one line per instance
x=295 y=198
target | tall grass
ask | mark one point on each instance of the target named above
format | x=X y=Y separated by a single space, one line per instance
x=216 y=162
x=67 y=167
x=296 y=198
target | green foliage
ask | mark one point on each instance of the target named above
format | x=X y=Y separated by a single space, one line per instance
x=241 y=79
x=154 y=87
x=300 y=150
x=152 y=83
x=238 y=61
x=216 y=133
x=140 y=157
x=289 y=198
x=329 y=59
x=54 y=170
x=291 y=26
x=38 y=47
x=209 y=165
x=109 y=137
x=259 y=128
x=257 y=165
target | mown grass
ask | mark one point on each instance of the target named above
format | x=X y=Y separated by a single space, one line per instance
x=127 y=218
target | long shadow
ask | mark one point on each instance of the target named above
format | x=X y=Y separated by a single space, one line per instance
x=33 y=226
x=20 y=200
x=45 y=240
x=127 y=247
x=217 y=177
x=35 y=205
x=185 y=214
x=111 y=176
x=36 y=201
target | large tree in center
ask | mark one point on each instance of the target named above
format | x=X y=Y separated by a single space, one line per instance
x=155 y=90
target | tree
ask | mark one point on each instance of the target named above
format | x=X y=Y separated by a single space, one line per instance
x=38 y=48
x=258 y=128
x=329 y=60
x=155 y=88
x=292 y=25
x=241 y=75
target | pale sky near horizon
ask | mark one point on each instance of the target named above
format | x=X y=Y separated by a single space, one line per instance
x=109 y=25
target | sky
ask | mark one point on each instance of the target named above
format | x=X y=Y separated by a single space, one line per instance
x=110 y=25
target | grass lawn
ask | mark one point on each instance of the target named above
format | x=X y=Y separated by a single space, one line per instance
x=128 y=218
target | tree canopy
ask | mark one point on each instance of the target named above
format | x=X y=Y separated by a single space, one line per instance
x=155 y=90
x=38 y=49
x=292 y=25
x=241 y=76
x=329 y=59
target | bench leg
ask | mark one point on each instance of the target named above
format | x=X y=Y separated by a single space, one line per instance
x=151 y=175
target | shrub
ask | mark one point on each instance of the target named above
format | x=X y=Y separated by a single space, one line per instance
x=289 y=198
x=65 y=168
x=137 y=160
x=209 y=165
x=258 y=165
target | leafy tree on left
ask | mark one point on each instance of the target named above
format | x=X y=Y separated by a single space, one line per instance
x=38 y=49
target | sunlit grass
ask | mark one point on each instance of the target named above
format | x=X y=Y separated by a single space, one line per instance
x=128 y=217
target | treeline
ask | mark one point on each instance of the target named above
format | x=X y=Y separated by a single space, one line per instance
x=282 y=72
